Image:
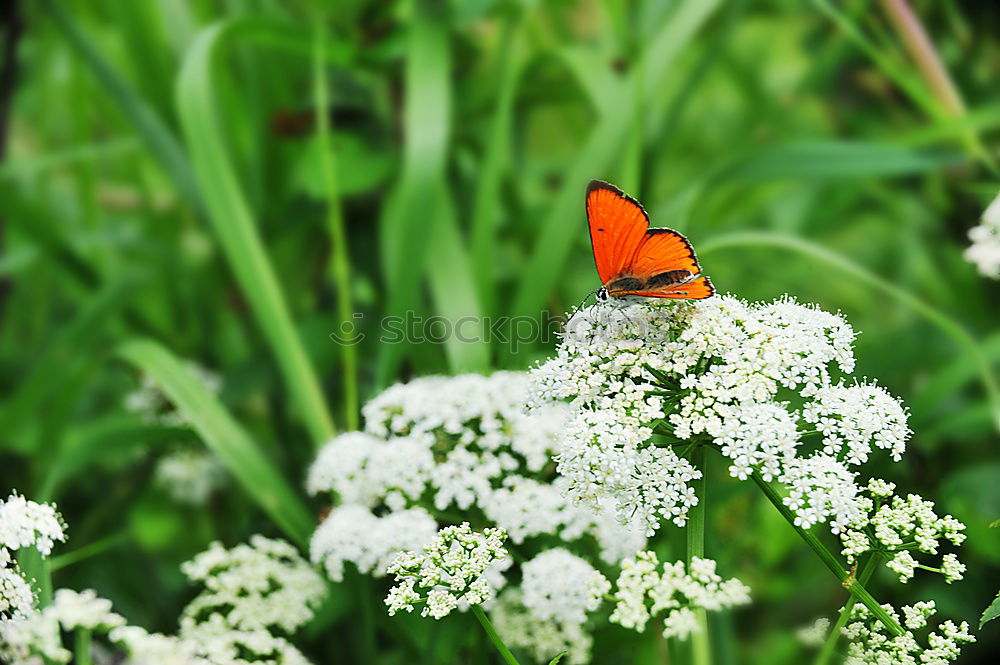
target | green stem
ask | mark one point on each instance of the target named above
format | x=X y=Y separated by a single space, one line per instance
x=82 y=648
x=87 y=551
x=829 y=647
x=850 y=582
x=491 y=632
x=701 y=649
x=340 y=263
x=366 y=640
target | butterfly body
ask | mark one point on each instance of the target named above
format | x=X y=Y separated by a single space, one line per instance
x=635 y=260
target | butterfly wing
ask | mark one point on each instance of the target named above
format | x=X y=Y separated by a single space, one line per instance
x=697 y=289
x=618 y=226
x=663 y=250
x=666 y=265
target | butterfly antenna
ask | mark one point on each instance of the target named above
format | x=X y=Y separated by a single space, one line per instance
x=580 y=305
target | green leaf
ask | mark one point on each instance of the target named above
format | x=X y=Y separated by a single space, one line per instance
x=413 y=207
x=229 y=211
x=558 y=657
x=837 y=159
x=991 y=612
x=220 y=432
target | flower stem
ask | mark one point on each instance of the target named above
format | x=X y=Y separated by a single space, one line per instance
x=850 y=582
x=491 y=632
x=701 y=650
x=829 y=647
x=82 y=647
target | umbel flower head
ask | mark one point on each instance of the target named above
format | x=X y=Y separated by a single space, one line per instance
x=764 y=383
x=441 y=446
x=453 y=570
x=870 y=643
x=265 y=585
x=898 y=527
x=645 y=589
x=984 y=247
x=23 y=524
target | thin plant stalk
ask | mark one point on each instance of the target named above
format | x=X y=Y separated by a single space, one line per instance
x=491 y=633
x=339 y=261
x=701 y=650
x=830 y=646
x=921 y=49
x=81 y=649
x=849 y=581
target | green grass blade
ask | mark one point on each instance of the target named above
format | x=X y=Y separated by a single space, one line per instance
x=487 y=200
x=837 y=159
x=340 y=265
x=220 y=432
x=161 y=141
x=233 y=221
x=404 y=228
x=453 y=291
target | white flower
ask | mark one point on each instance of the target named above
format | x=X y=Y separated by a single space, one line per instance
x=352 y=533
x=543 y=639
x=452 y=571
x=220 y=643
x=871 y=644
x=17 y=598
x=84 y=609
x=363 y=469
x=900 y=528
x=645 y=381
x=23 y=641
x=190 y=476
x=644 y=589
x=984 y=250
x=254 y=587
x=560 y=585
x=25 y=523
x=815 y=633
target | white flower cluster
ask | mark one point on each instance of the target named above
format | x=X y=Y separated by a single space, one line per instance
x=645 y=589
x=897 y=527
x=465 y=443
x=984 y=250
x=870 y=643
x=23 y=524
x=548 y=613
x=815 y=633
x=261 y=586
x=442 y=450
x=352 y=533
x=561 y=586
x=190 y=475
x=452 y=571
x=645 y=380
x=519 y=628
x=249 y=591
x=38 y=636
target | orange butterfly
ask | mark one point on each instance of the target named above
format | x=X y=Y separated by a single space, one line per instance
x=635 y=260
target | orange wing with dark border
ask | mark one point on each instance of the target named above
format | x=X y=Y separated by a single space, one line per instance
x=697 y=289
x=618 y=226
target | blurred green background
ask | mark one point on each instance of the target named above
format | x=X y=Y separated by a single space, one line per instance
x=235 y=179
